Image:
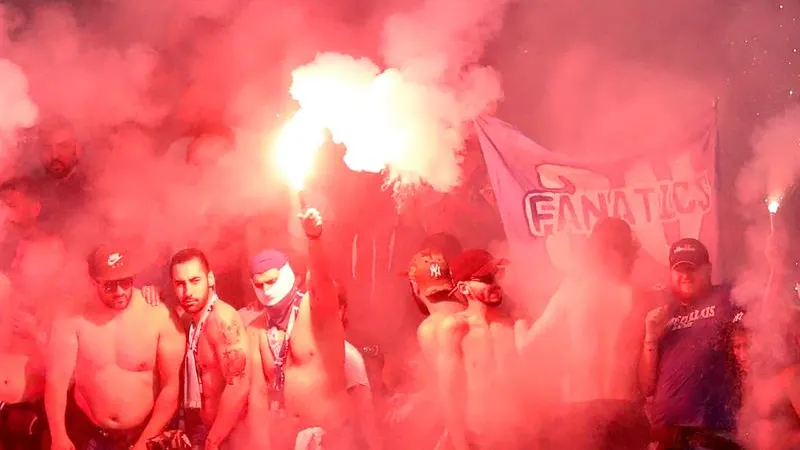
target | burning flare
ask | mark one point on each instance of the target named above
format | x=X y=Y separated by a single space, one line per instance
x=407 y=127
x=297 y=145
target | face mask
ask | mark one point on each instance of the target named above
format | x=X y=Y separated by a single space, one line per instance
x=278 y=291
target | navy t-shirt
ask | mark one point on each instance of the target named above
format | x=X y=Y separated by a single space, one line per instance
x=695 y=384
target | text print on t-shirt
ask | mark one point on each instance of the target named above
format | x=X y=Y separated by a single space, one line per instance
x=686 y=321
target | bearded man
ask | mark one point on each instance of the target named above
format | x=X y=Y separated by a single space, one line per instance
x=217 y=367
x=478 y=366
x=113 y=369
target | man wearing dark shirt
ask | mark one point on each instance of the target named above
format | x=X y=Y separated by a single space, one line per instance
x=60 y=185
x=685 y=364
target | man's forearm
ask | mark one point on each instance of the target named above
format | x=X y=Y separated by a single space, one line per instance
x=648 y=367
x=55 y=405
x=318 y=262
x=233 y=400
x=526 y=337
x=321 y=282
x=163 y=410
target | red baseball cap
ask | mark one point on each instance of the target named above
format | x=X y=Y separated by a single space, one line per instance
x=475 y=263
x=113 y=262
x=431 y=272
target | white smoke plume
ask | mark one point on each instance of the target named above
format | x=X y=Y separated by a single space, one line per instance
x=410 y=119
x=776 y=158
x=18 y=112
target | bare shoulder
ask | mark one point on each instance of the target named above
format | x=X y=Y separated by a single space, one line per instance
x=256 y=328
x=159 y=310
x=226 y=324
x=427 y=329
x=224 y=312
x=453 y=324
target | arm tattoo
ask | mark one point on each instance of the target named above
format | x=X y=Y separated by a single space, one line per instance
x=231 y=332
x=234 y=363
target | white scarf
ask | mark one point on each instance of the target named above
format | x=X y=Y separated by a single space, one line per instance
x=283 y=286
x=193 y=387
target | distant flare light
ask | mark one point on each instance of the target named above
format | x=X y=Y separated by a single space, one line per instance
x=773 y=205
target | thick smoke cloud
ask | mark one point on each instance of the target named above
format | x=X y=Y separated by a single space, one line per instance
x=135 y=85
x=18 y=112
x=399 y=81
x=412 y=117
x=764 y=284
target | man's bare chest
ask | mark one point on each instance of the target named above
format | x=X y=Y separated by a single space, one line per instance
x=206 y=356
x=126 y=345
x=292 y=351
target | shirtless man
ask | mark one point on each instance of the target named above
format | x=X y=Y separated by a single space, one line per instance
x=478 y=363
x=602 y=318
x=23 y=322
x=122 y=355
x=22 y=349
x=217 y=369
x=413 y=413
x=770 y=416
x=300 y=354
x=26 y=314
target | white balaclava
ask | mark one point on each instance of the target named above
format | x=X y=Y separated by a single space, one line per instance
x=272 y=295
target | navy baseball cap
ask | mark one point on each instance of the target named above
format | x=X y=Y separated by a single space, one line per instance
x=688 y=252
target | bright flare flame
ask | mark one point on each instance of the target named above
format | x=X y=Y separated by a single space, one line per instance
x=297 y=145
x=389 y=122
x=773 y=206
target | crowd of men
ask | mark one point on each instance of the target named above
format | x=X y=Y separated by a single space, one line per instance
x=115 y=364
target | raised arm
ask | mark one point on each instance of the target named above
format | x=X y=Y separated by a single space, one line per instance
x=324 y=301
x=169 y=358
x=62 y=356
x=232 y=348
x=549 y=318
x=655 y=324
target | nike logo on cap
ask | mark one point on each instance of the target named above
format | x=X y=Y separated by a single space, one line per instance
x=113 y=259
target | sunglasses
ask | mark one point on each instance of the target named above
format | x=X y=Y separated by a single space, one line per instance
x=113 y=285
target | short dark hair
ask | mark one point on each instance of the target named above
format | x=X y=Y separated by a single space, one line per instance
x=189 y=254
